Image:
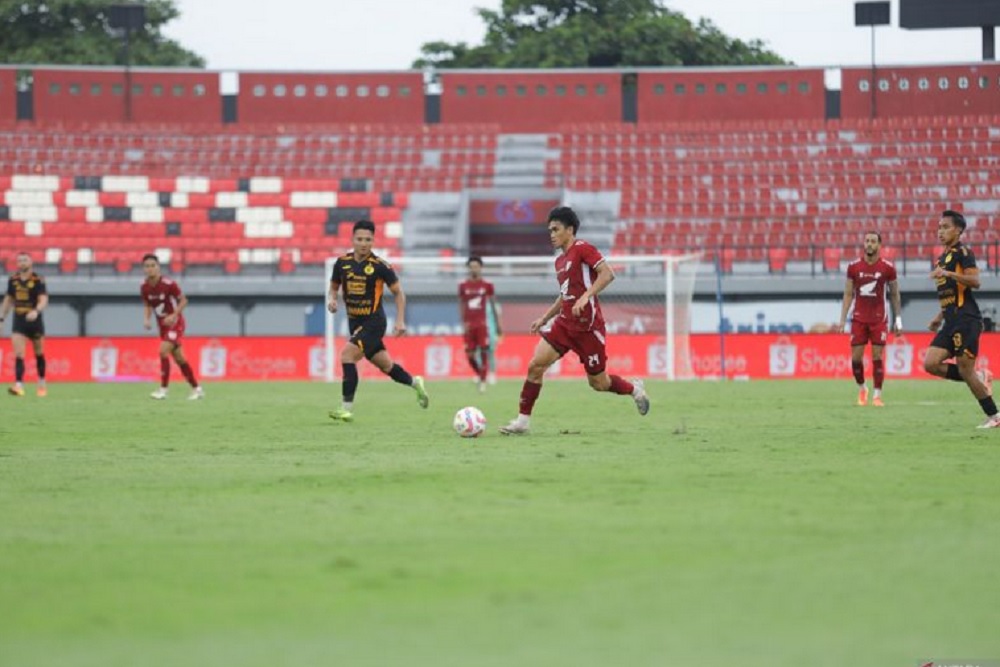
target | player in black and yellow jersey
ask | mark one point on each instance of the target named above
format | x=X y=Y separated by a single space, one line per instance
x=959 y=323
x=27 y=295
x=364 y=277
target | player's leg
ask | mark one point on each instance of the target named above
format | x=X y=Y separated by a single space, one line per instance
x=878 y=374
x=859 y=339
x=966 y=341
x=384 y=363
x=591 y=348
x=472 y=349
x=545 y=355
x=38 y=344
x=478 y=343
x=350 y=355
x=18 y=342
x=934 y=363
x=197 y=392
x=166 y=349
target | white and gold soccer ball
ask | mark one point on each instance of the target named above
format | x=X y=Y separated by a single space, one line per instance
x=469 y=422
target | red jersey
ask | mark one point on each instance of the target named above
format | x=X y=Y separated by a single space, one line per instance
x=475 y=296
x=869 y=288
x=163 y=298
x=576 y=270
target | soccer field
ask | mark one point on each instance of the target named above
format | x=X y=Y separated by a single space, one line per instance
x=764 y=523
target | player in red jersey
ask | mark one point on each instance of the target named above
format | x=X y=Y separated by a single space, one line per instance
x=163 y=298
x=867 y=278
x=579 y=326
x=476 y=299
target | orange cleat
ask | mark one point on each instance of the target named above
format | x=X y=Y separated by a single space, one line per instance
x=863 y=396
x=42 y=392
x=15 y=391
x=877 y=402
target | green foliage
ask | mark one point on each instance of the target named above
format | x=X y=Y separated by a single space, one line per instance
x=759 y=524
x=77 y=32
x=594 y=33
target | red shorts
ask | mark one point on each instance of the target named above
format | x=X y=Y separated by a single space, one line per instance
x=476 y=336
x=173 y=334
x=862 y=334
x=588 y=345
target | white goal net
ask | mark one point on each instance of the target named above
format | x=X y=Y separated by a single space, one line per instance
x=647 y=310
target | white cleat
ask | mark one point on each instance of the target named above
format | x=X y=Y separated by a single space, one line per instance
x=422 y=398
x=197 y=394
x=159 y=395
x=991 y=422
x=515 y=427
x=482 y=387
x=640 y=398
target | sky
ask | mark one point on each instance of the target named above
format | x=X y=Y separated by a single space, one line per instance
x=237 y=35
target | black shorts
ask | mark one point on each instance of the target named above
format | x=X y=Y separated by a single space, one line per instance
x=367 y=333
x=33 y=330
x=960 y=337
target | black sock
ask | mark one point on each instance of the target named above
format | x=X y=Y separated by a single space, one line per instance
x=40 y=364
x=19 y=369
x=399 y=374
x=350 y=381
x=953 y=374
x=988 y=406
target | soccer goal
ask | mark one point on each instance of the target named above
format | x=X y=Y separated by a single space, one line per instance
x=650 y=300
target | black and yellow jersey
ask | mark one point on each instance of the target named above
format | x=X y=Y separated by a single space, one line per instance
x=25 y=292
x=363 y=283
x=956 y=299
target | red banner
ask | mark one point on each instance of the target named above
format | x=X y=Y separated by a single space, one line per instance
x=297 y=358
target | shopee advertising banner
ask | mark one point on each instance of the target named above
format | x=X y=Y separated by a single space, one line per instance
x=752 y=356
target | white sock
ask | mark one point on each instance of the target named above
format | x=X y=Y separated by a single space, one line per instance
x=347 y=405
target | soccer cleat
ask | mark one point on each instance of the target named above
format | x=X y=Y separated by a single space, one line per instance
x=640 y=397
x=422 y=398
x=159 y=395
x=15 y=391
x=482 y=387
x=515 y=427
x=991 y=422
x=42 y=392
x=877 y=402
x=863 y=396
x=197 y=394
x=341 y=415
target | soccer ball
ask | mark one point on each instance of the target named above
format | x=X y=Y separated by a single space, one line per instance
x=469 y=422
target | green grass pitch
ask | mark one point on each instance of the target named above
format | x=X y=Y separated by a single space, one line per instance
x=752 y=524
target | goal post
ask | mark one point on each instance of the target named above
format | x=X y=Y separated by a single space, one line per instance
x=650 y=299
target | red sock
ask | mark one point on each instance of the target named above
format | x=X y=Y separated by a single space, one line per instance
x=859 y=371
x=188 y=374
x=164 y=372
x=529 y=394
x=484 y=364
x=621 y=386
x=878 y=372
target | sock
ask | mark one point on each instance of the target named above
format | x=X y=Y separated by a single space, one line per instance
x=350 y=384
x=19 y=370
x=188 y=374
x=988 y=406
x=529 y=394
x=40 y=365
x=621 y=386
x=472 y=356
x=399 y=374
x=164 y=372
x=484 y=367
x=859 y=371
x=953 y=374
x=878 y=373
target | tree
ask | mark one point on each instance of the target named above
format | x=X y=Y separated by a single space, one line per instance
x=78 y=32
x=594 y=33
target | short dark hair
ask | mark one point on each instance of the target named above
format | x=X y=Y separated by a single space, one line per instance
x=151 y=256
x=566 y=216
x=24 y=253
x=364 y=224
x=957 y=218
x=472 y=259
x=878 y=234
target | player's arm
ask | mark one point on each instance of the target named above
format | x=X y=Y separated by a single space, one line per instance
x=400 y=296
x=969 y=276
x=182 y=302
x=40 y=305
x=5 y=308
x=462 y=310
x=897 y=306
x=604 y=277
x=846 y=303
x=549 y=314
x=496 y=315
x=147 y=316
x=331 y=297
